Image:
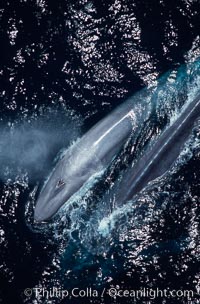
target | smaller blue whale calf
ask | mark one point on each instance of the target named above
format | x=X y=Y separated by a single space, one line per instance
x=89 y=155
x=159 y=158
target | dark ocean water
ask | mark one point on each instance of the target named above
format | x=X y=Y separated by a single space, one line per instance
x=63 y=66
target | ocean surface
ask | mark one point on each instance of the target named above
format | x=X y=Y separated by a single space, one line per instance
x=64 y=65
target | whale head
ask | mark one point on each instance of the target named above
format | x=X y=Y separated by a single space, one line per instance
x=69 y=175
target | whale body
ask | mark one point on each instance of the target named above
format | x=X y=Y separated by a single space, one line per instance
x=160 y=157
x=96 y=149
x=89 y=155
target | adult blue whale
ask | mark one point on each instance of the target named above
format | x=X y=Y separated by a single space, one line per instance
x=99 y=145
x=89 y=155
x=159 y=158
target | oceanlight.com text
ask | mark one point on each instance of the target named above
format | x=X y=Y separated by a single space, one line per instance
x=112 y=292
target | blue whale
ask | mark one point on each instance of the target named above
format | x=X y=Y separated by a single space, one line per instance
x=89 y=155
x=159 y=158
x=95 y=150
